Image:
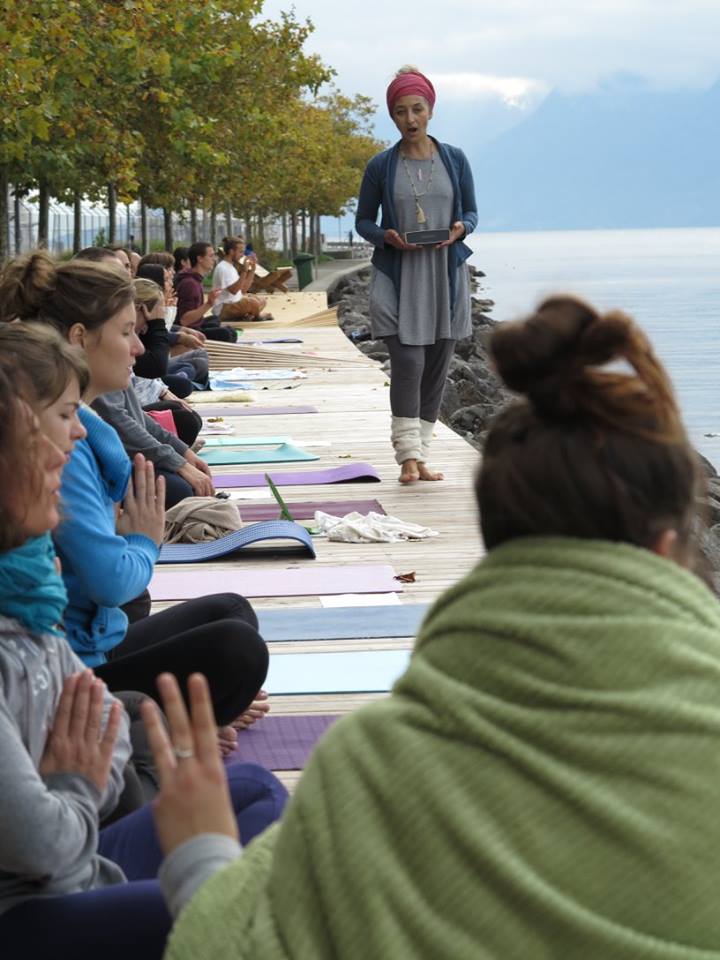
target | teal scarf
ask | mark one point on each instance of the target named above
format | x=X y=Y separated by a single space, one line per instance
x=31 y=589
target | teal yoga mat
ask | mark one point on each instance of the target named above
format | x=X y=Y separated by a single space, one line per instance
x=283 y=453
x=230 y=441
x=341 y=623
x=372 y=671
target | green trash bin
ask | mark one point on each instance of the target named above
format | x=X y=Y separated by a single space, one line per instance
x=303 y=264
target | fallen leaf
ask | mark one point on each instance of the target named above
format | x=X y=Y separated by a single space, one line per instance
x=406 y=577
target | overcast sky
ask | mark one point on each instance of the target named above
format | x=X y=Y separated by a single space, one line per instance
x=511 y=49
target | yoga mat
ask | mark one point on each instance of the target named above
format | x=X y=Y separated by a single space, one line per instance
x=291 y=582
x=234 y=411
x=232 y=542
x=349 y=473
x=341 y=623
x=371 y=671
x=284 y=453
x=305 y=510
x=281 y=743
x=245 y=441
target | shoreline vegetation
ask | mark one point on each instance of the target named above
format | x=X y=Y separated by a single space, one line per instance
x=473 y=394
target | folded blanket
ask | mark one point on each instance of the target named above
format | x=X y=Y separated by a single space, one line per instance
x=541 y=784
x=198 y=519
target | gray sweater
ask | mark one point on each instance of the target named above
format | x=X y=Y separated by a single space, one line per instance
x=48 y=827
x=139 y=432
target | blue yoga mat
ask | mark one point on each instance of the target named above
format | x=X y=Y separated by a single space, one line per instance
x=232 y=542
x=284 y=453
x=341 y=623
x=372 y=671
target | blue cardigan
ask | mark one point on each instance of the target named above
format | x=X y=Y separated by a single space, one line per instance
x=376 y=191
x=101 y=569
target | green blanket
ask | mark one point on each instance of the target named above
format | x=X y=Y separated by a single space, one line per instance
x=540 y=785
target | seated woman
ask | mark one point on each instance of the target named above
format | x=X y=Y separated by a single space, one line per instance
x=108 y=562
x=541 y=782
x=66 y=885
x=154 y=393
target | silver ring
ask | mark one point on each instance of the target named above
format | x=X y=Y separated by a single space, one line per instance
x=183 y=753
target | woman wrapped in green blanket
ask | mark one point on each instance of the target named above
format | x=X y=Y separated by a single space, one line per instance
x=542 y=781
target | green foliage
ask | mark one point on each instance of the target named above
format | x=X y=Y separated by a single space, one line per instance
x=209 y=106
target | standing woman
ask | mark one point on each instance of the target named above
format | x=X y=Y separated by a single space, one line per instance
x=420 y=295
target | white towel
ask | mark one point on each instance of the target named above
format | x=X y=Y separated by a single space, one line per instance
x=373 y=528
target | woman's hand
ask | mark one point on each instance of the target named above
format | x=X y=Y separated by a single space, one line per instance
x=169 y=397
x=393 y=239
x=76 y=743
x=192 y=339
x=144 y=504
x=201 y=484
x=198 y=463
x=158 y=311
x=457 y=232
x=194 y=796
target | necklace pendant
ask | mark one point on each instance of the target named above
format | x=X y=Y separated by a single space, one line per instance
x=421 y=218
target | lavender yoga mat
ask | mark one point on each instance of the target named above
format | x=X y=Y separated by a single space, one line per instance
x=281 y=743
x=305 y=509
x=317 y=580
x=236 y=410
x=350 y=473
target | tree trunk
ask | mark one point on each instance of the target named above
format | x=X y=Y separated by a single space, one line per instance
x=4 y=215
x=213 y=225
x=303 y=229
x=168 y=223
x=77 y=222
x=143 y=227
x=43 y=213
x=17 y=223
x=112 y=213
x=293 y=234
x=128 y=227
x=204 y=222
x=284 y=235
x=260 y=232
x=229 y=221
x=193 y=223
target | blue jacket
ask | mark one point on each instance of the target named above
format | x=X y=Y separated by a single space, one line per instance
x=101 y=569
x=376 y=191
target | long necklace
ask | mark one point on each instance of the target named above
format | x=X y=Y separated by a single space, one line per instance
x=421 y=218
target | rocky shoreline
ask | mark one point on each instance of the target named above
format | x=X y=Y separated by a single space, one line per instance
x=473 y=395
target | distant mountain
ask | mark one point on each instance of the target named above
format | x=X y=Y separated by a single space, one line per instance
x=624 y=156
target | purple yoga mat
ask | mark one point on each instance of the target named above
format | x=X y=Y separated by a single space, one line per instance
x=350 y=473
x=281 y=743
x=238 y=410
x=305 y=510
x=315 y=580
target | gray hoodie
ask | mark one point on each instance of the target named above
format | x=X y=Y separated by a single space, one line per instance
x=48 y=827
x=139 y=432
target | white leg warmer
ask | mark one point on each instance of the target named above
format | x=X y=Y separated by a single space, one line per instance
x=405 y=436
x=426 y=435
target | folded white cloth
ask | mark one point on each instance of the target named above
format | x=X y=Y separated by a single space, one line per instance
x=373 y=528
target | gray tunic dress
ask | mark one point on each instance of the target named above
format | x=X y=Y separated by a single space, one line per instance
x=421 y=315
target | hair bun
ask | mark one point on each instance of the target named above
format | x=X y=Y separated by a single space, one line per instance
x=26 y=285
x=545 y=357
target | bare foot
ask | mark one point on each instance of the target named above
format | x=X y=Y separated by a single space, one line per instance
x=426 y=474
x=256 y=711
x=409 y=472
x=227 y=740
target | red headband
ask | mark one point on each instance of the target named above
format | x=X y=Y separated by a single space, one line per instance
x=407 y=84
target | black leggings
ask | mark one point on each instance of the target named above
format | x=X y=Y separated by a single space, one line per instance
x=188 y=423
x=215 y=635
x=417 y=377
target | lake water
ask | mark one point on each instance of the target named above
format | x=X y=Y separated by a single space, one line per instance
x=668 y=280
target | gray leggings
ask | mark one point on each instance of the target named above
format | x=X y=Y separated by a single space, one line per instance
x=418 y=375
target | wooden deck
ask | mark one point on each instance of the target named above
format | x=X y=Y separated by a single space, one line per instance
x=354 y=420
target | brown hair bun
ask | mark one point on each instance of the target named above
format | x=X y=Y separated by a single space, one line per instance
x=556 y=357
x=29 y=281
